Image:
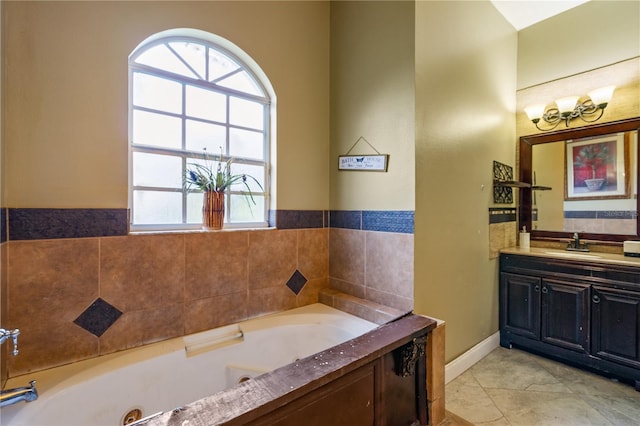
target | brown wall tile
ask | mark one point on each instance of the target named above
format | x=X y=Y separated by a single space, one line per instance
x=346 y=255
x=347 y=287
x=212 y=312
x=264 y=301
x=311 y=290
x=141 y=327
x=389 y=263
x=389 y=299
x=313 y=253
x=216 y=264
x=50 y=283
x=272 y=258
x=3 y=311
x=142 y=272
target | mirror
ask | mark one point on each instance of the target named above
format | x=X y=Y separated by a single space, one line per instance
x=583 y=180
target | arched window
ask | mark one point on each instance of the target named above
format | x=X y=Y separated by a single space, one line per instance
x=191 y=97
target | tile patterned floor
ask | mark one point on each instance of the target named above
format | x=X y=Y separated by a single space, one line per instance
x=513 y=387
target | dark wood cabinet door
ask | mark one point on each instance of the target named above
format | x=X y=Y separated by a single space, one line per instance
x=520 y=305
x=565 y=314
x=616 y=325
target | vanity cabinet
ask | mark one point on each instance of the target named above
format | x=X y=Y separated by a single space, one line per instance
x=551 y=311
x=582 y=313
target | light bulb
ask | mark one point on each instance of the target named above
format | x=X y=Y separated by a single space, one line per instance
x=534 y=112
x=602 y=96
x=566 y=105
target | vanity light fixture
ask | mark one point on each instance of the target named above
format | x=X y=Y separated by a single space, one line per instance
x=566 y=109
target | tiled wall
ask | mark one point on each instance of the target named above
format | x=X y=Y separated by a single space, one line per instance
x=76 y=293
x=601 y=222
x=502 y=229
x=163 y=285
x=3 y=292
x=371 y=256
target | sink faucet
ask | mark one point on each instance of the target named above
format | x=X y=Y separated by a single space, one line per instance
x=576 y=240
x=10 y=334
x=12 y=396
x=576 y=245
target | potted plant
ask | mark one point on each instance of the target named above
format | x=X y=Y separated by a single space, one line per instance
x=214 y=182
x=593 y=156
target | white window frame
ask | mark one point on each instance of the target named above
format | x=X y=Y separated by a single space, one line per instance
x=226 y=48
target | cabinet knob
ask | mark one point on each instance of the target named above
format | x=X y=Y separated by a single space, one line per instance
x=596 y=298
x=544 y=290
x=536 y=288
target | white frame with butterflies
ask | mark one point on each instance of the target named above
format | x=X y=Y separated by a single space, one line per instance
x=364 y=163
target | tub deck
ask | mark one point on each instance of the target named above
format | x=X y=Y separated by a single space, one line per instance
x=378 y=378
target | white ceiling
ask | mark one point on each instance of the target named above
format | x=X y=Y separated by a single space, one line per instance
x=523 y=13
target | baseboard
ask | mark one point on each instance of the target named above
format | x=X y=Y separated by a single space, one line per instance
x=470 y=357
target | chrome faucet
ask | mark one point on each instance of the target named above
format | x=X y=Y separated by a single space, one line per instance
x=13 y=334
x=576 y=245
x=12 y=396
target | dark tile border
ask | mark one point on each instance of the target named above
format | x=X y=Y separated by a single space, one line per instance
x=502 y=215
x=601 y=214
x=347 y=219
x=299 y=219
x=399 y=221
x=3 y=225
x=43 y=224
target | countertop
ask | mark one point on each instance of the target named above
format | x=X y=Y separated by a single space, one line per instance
x=592 y=257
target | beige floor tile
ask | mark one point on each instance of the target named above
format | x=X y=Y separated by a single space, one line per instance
x=526 y=408
x=510 y=370
x=620 y=411
x=513 y=387
x=470 y=401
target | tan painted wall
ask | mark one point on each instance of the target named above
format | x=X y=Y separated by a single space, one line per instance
x=372 y=95
x=465 y=119
x=66 y=97
x=594 y=34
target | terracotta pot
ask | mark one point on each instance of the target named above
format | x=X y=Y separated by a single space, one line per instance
x=213 y=211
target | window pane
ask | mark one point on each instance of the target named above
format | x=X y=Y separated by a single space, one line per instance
x=157 y=93
x=220 y=65
x=194 y=207
x=241 y=82
x=256 y=171
x=156 y=130
x=162 y=58
x=206 y=104
x=247 y=144
x=246 y=113
x=193 y=54
x=205 y=135
x=153 y=207
x=160 y=171
x=243 y=210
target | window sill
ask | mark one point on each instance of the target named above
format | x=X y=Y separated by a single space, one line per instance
x=196 y=231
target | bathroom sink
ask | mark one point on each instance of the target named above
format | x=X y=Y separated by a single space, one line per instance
x=573 y=255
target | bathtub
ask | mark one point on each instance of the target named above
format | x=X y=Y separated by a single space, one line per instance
x=123 y=387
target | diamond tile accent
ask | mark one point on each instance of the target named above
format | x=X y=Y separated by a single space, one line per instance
x=296 y=282
x=98 y=317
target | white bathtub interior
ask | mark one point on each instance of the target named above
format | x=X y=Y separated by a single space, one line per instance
x=169 y=374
